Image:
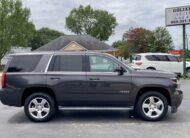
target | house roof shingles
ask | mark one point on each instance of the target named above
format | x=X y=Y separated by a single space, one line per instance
x=88 y=42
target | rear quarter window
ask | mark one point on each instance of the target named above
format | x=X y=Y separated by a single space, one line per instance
x=136 y=57
x=23 y=63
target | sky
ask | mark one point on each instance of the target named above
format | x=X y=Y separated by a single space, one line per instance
x=129 y=13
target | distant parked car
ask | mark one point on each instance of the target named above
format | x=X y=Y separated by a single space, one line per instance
x=159 y=61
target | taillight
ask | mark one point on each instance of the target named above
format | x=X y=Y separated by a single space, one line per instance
x=138 y=62
x=3 y=80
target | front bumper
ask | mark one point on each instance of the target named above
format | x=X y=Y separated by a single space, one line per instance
x=176 y=100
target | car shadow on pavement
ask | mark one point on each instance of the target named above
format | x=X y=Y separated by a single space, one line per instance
x=81 y=116
x=86 y=116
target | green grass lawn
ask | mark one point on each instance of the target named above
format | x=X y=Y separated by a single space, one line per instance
x=185 y=78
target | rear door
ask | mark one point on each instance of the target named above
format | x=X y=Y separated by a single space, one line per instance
x=159 y=62
x=67 y=77
x=105 y=86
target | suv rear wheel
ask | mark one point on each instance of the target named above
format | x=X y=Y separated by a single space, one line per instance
x=39 y=107
x=152 y=106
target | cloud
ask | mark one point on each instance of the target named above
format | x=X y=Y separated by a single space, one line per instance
x=129 y=13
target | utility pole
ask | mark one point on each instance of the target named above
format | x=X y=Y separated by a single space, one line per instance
x=187 y=39
x=184 y=51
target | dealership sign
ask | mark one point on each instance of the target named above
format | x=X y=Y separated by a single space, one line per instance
x=178 y=15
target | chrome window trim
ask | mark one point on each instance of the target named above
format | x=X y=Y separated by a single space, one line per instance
x=15 y=73
x=102 y=73
x=67 y=72
x=61 y=72
x=47 y=66
x=115 y=60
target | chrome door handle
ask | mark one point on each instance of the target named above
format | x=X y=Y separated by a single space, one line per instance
x=94 y=79
x=55 y=78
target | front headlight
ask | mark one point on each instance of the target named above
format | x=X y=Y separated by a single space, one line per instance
x=175 y=82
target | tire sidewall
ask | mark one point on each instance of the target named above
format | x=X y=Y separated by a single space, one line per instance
x=188 y=71
x=51 y=104
x=145 y=96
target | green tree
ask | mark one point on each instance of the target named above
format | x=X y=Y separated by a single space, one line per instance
x=117 y=44
x=138 y=39
x=123 y=49
x=97 y=23
x=15 y=27
x=43 y=36
x=160 y=41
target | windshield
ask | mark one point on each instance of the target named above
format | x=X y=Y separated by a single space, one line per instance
x=124 y=64
x=128 y=66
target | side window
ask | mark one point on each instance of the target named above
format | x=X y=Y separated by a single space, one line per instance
x=172 y=58
x=152 y=58
x=156 y=58
x=162 y=57
x=101 y=64
x=137 y=57
x=66 y=63
x=24 y=63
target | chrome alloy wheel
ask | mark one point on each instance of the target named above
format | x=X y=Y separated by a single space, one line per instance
x=153 y=107
x=39 y=108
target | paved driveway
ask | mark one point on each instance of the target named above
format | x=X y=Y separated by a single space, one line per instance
x=117 y=124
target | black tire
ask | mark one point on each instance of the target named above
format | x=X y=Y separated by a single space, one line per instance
x=51 y=106
x=141 y=111
x=151 y=68
x=188 y=71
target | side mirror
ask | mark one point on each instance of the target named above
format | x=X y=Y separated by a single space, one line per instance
x=120 y=70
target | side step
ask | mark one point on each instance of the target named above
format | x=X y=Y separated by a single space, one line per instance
x=95 y=108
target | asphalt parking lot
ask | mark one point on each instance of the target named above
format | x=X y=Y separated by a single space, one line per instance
x=119 y=124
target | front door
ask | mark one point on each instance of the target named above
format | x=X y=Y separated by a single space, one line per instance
x=105 y=86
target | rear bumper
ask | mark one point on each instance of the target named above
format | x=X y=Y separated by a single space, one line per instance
x=11 y=97
x=176 y=100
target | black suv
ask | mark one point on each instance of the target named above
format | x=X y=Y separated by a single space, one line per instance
x=45 y=82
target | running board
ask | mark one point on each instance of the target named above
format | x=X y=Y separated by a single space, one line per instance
x=95 y=108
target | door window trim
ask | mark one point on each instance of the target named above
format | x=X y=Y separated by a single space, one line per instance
x=87 y=67
x=66 y=72
x=47 y=66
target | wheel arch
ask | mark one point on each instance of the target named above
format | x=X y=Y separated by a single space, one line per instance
x=31 y=90
x=187 y=67
x=153 y=68
x=161 y=90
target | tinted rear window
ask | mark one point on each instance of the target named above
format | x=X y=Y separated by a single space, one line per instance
x=136 y=57
x=66 y=63
x=152 y=58
x=24 y=63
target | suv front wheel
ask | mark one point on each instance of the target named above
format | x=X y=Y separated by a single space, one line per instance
x=152 y=106
x=39 y=107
